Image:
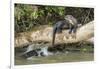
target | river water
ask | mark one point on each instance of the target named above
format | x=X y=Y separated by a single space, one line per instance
x=72 y=56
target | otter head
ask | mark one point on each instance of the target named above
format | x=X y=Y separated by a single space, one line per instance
x=69 y=19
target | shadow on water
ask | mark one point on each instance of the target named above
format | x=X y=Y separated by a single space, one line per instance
x=75 y=54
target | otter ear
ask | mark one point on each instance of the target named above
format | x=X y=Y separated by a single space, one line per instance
x=68 y=16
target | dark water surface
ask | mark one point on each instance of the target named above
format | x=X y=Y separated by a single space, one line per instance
x=70 y=57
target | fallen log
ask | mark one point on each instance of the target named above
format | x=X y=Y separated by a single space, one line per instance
x=84 y=33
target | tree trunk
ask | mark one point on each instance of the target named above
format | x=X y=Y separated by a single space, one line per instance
x=83 y=33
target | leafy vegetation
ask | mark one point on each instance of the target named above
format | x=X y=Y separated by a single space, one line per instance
x=28 y=16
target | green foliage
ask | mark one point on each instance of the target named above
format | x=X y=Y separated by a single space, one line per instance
x=30 y=16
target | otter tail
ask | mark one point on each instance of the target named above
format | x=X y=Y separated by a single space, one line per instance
x=54 y=34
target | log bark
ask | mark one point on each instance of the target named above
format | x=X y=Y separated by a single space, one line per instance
x=83 y=33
